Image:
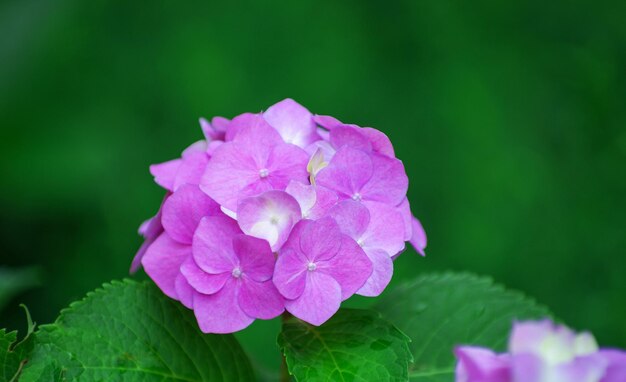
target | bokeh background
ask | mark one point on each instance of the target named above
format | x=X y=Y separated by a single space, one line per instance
x=510 y=118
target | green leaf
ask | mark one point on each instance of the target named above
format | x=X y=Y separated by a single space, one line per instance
x=354 y=345
x=439 y=312
x=14 y=354
x=15 y=281
x=129 y=331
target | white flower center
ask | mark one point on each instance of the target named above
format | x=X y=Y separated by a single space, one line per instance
x=237 y=273
x=356 y=197
x=263 y=173
x=311 y=267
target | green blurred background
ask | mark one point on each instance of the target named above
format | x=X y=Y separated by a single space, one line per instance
x=510 y=118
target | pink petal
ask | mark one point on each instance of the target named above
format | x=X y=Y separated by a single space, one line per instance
x=350 y=267
x=385 y=230
x=347 y=173
x=290 y=273
x=293 y=122
x=380 y=142
x=319 y=300
x=150 y=230
x=315 y=201
x=211 y=149
x=405 y=210
x=220 y=124
x=286 y=163
x=184 y=291
x=326 y=121
x=478 y=364
x=320 y=239
x=191 y=169
x=162 y=262
x=201 y=281
x=212 y=244
x=325 y=200
x=165 y=173
x=269 y=216
x=195 y=148
x=183 y=210
x=419 y=239
x=381 y=273
x=347 y=135
x=260 y=299
x=252 y=129
x=233 y=173
x=255 y=257
x=304 y=195
x=352 y=217
x=220 y=312
x=388 y=183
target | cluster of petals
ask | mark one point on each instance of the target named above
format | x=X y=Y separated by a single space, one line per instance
x=541 y=351
x=279 y=210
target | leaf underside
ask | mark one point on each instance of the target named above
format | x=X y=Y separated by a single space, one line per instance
x=129 y=331
x=439 y=312
x=354 y=345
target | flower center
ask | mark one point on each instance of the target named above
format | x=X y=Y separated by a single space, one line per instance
x=263 y=173
x=360 y=242
x=237 y=272
x=356 y=197
x=311 y=266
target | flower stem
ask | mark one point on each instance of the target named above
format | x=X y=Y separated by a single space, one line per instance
x=284 y=371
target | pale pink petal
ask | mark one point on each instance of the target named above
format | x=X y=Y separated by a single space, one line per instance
x=347 y=173
x=381 y=273
x=255 y=257
x=380 y=142
x=385 y=230
x=352 y=217
x=191 y=169
x=212 y=244
x=260 y=299
x=252 y=129
x=195 y=148
x=326 y=121
x=165 y=173
x=183 y=210
x=212 y=147
x=162 y=262
x=184 y=291
x=214 y=130
x=200 y=280
x=220 y=124
x=419 y=239
x=616 y=369
x=319 y=300
x=405 y=210
x=352 y=136
x=290 y=273
x=388 y=183
x=293 y=122
x=320 y=239
x=350 y=267
x=481 y=365
x=220 y=312
x=269 y=216
x=304 y=195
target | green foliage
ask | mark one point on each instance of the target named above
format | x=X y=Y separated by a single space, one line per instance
x=129 y=331
x=14 y=354
x=15 y=281
x=440 y=311
x=354 y=345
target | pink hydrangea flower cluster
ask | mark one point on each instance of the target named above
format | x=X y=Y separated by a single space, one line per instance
x=540 y=351
x=278 y=210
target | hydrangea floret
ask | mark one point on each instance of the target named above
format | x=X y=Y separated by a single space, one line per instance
x=274 y=211
x=541 y=351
